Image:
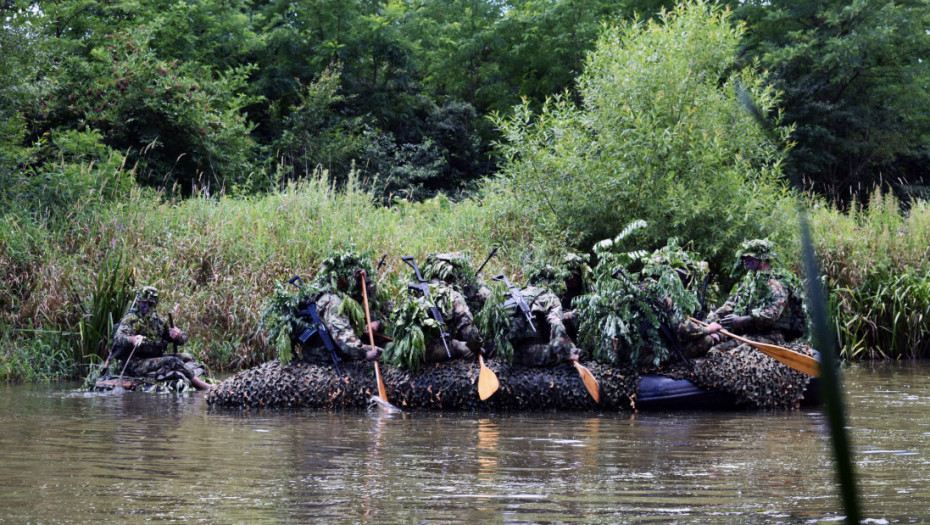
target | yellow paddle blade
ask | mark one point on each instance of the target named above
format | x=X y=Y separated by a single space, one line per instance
x=487 y=381
x=790 y=358
x=589 y=382
x=382 y=392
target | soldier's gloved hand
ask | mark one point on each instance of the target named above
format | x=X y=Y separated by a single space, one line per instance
x=713 y=327
x=372 y=352
x=174 y=332
x=736 y=322
x=137 y=340
x=568 y=316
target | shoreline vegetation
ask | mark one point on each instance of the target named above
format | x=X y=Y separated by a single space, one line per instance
x=667 y=141
x=217 y=260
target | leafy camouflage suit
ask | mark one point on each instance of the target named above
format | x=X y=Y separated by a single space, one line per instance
x=465 y=341
x=692 y=339
x=347 y=344
x=534 y=348
x=149 y=359
x=777 y=315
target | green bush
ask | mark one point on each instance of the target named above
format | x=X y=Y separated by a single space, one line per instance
x=71 y=167
x=181 y=122
x=659 y=136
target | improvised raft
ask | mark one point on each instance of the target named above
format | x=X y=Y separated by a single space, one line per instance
x=743 y=377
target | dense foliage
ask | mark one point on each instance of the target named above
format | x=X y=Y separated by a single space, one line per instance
x=854 y=76
x=660 y=130
x=215 y=148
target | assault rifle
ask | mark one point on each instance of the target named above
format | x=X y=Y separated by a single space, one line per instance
x=516 y=297
x=665 y=330
x=318 y=327
x=423 y=287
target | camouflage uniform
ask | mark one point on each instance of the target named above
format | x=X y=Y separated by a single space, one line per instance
x=533 y=348
x=777 y=312
x=149 y=358
x=568 y=279
x=455 y=271
x=465 y=341
x=347 y=344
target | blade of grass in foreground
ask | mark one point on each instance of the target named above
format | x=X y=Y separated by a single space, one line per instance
x=830 y=382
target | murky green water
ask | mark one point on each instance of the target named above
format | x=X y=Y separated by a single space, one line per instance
x=69 y=457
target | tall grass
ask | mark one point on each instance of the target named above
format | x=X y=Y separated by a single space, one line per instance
x=875 y=261
x=215 y=261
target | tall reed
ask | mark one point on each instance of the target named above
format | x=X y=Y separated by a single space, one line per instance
x=875 y=261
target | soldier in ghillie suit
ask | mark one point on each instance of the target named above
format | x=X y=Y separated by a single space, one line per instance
x=332 y=300
x=766 y=304
x=456 y=271
x=568 y=279
x=643 y=319
x=662 y=273
x=418 y=335
x=142 y=337
x=535 y=337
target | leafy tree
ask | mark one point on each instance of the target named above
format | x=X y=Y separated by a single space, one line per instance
x=854 y=76
x=18 y=88
x=180 y=121
x=660 y=136
x=316 y=135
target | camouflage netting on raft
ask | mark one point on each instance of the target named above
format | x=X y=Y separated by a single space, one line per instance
x=753 y=377
x=449 y=386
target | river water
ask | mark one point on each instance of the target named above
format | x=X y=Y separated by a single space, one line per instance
x=70 y=457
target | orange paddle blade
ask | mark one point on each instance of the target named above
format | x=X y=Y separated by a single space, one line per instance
x=487 y=381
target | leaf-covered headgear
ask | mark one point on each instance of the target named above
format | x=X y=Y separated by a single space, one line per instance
x=672 y=257
x=762 y=249
x=343 y=266
x=554 y=275
x=451 y=267
x=148 y=294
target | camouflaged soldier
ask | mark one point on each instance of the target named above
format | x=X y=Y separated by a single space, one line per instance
x=766 y=304
x=692 y=339
x=142 y=337
x=339 y=277
x=546 y=342
x=567 y=280
x=455 y=270
x=450 y=277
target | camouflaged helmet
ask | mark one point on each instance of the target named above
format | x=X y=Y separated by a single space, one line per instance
x=686 y=264
x=545 y=275
x=449 y=267
x=761 y=249
x=148 y=294
x=340 y=270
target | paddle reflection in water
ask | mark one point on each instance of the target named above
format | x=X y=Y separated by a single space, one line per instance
x=138 y=456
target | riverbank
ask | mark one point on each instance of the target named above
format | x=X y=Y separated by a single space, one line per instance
x=216 y=261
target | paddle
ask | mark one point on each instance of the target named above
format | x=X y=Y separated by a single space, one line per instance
x=382 y=392
x=589 y=381
x=487 y=381
x=795 y=360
